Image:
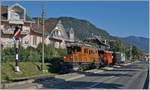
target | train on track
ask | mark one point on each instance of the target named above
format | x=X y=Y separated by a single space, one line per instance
x=85 y=56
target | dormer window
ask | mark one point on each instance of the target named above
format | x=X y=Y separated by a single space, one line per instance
x=59 y=33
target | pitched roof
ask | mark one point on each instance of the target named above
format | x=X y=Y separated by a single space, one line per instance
x=49 y=26
x=96 y=39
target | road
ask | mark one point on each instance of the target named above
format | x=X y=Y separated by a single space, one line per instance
x=133 y=76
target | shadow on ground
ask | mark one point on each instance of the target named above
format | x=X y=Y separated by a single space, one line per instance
x=104 y=74
x=55 y=83
x=125 y=70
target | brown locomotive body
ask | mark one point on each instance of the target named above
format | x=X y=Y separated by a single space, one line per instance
x=82 y=55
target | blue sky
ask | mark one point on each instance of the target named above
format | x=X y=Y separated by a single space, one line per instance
x=119 y=18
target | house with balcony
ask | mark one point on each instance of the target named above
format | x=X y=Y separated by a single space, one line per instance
x=31 y=35
x=11 y=17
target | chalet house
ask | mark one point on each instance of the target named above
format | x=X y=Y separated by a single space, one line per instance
x=31 y=35
x=55 y=34
x=100 y=43
x=10 y=18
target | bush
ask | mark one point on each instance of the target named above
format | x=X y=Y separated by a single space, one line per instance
x=8 y=54
x=50 y=52
x=32 y=54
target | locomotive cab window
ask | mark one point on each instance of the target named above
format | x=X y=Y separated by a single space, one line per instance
x=86 y=51
x=78 y=49
x=73 y=49
x=89 y=51
x=69 y=51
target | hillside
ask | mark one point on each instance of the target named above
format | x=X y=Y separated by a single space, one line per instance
x=84 y=29
x=140 y=42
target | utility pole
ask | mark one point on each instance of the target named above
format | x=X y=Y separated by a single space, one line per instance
x=130 y=53
x=43 y=37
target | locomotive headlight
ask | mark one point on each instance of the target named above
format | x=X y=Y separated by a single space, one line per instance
x=64 y=57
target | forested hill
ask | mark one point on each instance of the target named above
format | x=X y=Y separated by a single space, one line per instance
x=83 y=28
x=140 y=42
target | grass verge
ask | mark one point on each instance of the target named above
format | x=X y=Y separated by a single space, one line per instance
x=28 y=70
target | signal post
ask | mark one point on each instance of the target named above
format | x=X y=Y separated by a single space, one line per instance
x=16 y=37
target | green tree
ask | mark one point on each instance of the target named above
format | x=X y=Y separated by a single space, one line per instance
x=135 y=52
x=118 y=46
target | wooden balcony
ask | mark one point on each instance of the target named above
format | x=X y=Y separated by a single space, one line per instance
x=26 y=30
